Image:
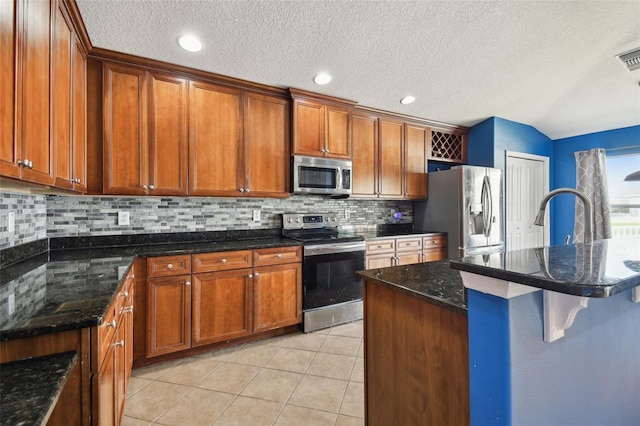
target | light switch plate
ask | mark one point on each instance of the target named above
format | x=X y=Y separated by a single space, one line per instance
x=256 y=215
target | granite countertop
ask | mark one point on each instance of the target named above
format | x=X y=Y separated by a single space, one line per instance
x=388 y=230
x=433 y=282
x=30 y=388
x=598 y=269
x=71 y=287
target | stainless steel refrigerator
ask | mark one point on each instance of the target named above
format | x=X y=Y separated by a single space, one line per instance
x=467 y=203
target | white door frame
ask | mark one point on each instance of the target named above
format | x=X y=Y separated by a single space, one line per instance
x=545 y=185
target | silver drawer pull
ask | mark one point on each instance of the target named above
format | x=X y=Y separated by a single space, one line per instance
x=128 y=310
x=187 y=283
x=279 y=256
x=124 y=294
x=256 y=275
x=111 y=324
x=120 y=343
x=224 y=261
x=170 y=266
x=250 y=275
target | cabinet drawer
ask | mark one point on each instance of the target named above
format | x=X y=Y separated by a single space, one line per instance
x=220 y=261
x=404 y=244
x=106 y=330
x=434 y=241
x=436 y=253
x=381 y=246
x=274 y=256
x=168 y=265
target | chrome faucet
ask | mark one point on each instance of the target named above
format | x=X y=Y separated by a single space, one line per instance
x=588 y=234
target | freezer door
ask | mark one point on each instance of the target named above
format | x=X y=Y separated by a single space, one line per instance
x=473 y=223
x=495 y=222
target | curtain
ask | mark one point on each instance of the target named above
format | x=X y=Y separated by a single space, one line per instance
x=591 y=179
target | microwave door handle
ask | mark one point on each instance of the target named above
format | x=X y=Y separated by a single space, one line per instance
x=339 y=178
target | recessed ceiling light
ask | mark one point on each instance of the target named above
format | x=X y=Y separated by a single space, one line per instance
x=408 y=100
x=190 y=43
x=322 y=78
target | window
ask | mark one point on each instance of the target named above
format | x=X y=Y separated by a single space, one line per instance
x=624 y=197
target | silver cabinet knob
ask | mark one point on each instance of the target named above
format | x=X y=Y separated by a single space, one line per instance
x=256 y=275
x=250 y=275
x=124 y=294
x=247 y=190
x=120 y=343
x=152 y=187
x=241 y=189
x=145 y=187
x=187 y=283
x=20 y=163
x=170 y=266
x=279 y=256
x=128 y=310
x=224 y=261
x=111 y=324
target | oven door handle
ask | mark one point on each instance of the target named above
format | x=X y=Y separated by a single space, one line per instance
x=321 y=249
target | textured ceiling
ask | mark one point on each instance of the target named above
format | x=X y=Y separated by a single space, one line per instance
x=549 y=64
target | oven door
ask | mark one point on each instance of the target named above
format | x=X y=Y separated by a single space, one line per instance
x=328 y=274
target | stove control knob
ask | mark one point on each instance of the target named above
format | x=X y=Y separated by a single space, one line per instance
x=290 y=220
x=334 y=218
x=297 y=220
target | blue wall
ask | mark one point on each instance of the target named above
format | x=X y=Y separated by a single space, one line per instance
x=588 y=377
x=564 y=170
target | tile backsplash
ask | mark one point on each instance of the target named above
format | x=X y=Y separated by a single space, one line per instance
x=52 y=216
x=30 y=218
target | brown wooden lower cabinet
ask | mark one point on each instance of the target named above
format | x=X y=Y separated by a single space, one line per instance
x=228 y=295
x=221 y=306
x=383 y=253
x=416 y=360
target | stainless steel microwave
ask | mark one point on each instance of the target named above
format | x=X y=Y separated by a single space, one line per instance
x=315 y=175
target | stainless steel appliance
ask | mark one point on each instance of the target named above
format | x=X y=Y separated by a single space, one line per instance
x=314 y=175
x=331 y=292
x=467 y=203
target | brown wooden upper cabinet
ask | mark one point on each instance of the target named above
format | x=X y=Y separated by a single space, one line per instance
x=145 y=134
x=41 y=95
x=68 y=113
x=391 y=158
x=26 y=39
x=416 y=141
x=238 y=142
x=321 y=126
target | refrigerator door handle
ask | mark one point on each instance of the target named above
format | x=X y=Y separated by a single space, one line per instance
x=487 y=206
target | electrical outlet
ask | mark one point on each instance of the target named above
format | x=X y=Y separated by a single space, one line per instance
x=11 y=302
x=256 y=215
x=11 y=222
x=123 y=218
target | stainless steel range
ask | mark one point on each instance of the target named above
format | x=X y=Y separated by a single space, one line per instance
x=331 y=292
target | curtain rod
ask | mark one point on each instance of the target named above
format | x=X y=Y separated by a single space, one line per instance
x=609 y=149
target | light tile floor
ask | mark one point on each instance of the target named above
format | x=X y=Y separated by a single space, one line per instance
x=298 y=379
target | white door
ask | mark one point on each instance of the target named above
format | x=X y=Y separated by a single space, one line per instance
x=527 y=182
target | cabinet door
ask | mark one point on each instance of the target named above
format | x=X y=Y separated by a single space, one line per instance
x=168 y=315
x=105 y=386
x=364 y=135
x=380 y=261
x=338 y=141
x=167 y=135
x=438 y=253
x=62 y=97
x=408 y=258
x=120 y=354
x=9 y=147
x=416 y=161
x=221 y=306
x=391 y=156
x=35 y=110
x=125 y=130
x=308 y=128
x=266 y=139
x=277 y=296
x=215 y=140
x=79 y=118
